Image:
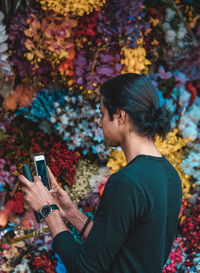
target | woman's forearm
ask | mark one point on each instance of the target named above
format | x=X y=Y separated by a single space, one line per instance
x=78 y=220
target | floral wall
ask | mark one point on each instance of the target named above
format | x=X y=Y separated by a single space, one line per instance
x=54 y=56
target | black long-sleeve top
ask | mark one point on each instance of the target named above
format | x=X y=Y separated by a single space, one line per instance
x=135 y=223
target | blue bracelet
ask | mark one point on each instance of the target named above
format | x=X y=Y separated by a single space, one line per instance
x=85 y=226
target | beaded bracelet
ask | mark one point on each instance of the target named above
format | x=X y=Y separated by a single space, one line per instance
x=85 y=226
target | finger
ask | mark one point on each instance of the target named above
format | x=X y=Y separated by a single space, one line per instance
x=55 y=189
x=25 y=181
x=52 y=178
x=37 y=178
x=25 y=190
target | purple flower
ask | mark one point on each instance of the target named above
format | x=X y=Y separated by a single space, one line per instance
x=105 y=70
x=93 y=199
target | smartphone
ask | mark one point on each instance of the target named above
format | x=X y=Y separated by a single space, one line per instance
x=41 y=169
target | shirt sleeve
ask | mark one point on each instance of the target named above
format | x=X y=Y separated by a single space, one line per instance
x=119 y=207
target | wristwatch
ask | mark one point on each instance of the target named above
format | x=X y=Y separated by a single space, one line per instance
x=46 y=210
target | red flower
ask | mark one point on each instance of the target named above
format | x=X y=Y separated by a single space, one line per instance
x=87 y=209
x=62 y=162
x=30 y=133
x=193 y=91
x=46 y=143
x=18 y=153
x=19 y=202
x=153 y=11
x=42 y=262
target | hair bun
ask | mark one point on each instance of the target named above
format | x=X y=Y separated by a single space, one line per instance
x=155 y=113
x=163 y=121
x=158 y=122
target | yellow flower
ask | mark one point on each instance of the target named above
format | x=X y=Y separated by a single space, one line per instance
x=134 y=60
x=116 y=161
x=173 y=148
x=74 y=7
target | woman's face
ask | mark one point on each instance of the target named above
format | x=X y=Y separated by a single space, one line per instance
x=110 y=127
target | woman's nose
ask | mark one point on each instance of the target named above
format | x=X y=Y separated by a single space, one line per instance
x=100 y=123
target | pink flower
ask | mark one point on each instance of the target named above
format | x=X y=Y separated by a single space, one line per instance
x=2 y=173
x=163 y=74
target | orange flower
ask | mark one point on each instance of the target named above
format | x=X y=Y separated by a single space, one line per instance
x=22 y=96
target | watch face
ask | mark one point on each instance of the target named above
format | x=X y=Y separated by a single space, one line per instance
x=46 y=211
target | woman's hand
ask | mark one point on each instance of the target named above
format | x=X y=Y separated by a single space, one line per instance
x=61 y=197
x=35 y=193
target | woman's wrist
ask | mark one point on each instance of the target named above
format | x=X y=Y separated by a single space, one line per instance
x=78 y=220
x=55 y=223
x=71 y=213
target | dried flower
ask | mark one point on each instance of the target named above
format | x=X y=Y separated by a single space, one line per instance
x=22 y=95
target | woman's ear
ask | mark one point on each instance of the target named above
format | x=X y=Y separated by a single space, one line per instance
x=121 y=116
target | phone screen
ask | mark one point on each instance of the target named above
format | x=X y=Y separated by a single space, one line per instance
x=42 y=171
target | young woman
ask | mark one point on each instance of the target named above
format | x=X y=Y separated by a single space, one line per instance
x=136 y=220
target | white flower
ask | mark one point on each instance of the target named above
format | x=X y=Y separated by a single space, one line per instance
x=184 y=123
x=58 y=110
x=56 y=104
x=184 y=97
x=166 y=26
x=196 y=174
x=3 y=47
x=170 y=13
x=187 y=167
x=1 y=16
x=190 y=133
x=60 y=127
x=194 y=158
x=4 y=57
x=170 y=36
x=181 y=33
x=64 y=118
x=52 y=119
x=23 y=267
x=94 y=181
x=3 y=36
x=197 y=101
x=104 y=171
x=66 y=135
x=194 y=113
x=2 y=27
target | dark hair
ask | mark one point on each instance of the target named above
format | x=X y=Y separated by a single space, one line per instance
x=136 y=95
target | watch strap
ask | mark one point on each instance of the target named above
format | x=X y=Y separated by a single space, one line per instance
x=54 y=207
x=50 y=208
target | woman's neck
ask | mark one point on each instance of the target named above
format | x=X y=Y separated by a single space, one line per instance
x=133 y=145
